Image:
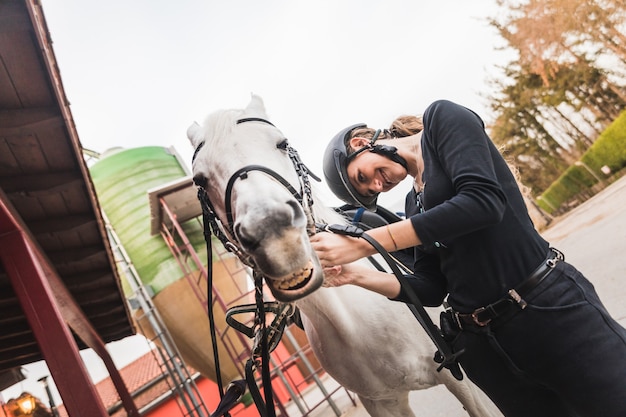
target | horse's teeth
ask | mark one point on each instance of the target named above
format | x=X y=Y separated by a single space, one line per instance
x=295 y=278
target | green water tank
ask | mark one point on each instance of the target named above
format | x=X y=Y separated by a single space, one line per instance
x=122 y=179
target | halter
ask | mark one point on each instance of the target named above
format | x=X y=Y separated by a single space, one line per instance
x=269 y=337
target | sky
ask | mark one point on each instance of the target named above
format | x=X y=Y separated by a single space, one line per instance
x=139 y=72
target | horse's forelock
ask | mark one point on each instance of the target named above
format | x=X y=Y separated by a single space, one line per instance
x=220 y=123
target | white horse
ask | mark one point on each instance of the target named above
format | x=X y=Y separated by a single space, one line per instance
x=369 y=344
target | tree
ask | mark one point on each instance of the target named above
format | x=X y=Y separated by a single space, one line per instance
x=562 y=90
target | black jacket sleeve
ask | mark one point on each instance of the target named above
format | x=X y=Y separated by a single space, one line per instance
x=462 y=193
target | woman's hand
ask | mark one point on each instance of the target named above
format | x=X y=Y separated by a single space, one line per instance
x=336 y=276
x=362 y=276
x=334 y=249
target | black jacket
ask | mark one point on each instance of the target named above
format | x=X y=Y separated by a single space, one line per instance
x=478 y=239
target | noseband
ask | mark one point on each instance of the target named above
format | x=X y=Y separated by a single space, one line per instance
x=304 y=197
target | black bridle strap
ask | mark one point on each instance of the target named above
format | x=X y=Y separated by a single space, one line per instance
x=254 y=119
x=206 y=220
x=444 y=355
x=195 y=152
x=243 y=174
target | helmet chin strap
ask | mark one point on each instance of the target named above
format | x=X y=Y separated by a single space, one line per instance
x=388 y=151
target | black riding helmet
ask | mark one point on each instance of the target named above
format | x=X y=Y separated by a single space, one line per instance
x=336 y=160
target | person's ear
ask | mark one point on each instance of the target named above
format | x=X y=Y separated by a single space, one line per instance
x=357 y=143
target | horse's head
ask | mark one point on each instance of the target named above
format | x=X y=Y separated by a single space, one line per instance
x=247 y=170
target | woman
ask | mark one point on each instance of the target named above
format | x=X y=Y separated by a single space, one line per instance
x=537 y=338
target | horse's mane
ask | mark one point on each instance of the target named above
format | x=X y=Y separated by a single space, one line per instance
x=324 y=213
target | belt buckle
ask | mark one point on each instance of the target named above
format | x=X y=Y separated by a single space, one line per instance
x=476 y=320
x=558 y=256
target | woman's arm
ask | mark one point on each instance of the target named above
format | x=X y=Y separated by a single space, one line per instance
x=462 y=192
x=431 y=292
x=362 y=276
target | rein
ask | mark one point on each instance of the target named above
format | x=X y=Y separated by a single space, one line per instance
x=265 y=339
x=444 y=354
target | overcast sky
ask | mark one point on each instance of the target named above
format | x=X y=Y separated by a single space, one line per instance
x=139 y=72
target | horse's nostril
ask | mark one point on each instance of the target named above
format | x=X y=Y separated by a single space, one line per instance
x=244 y=238
x=199 y=180
x=299 y=218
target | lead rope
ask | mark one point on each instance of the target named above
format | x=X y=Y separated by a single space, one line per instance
x=266 y=377
x=236 y=388
x=207 y=219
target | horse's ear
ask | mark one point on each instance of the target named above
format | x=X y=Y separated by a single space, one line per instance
x=256 y=105
x=193 y=133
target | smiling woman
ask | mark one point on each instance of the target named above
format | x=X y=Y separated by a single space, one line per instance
x=360 y=184
x=477 y=251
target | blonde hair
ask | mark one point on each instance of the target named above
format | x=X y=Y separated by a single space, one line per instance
x=406 y=125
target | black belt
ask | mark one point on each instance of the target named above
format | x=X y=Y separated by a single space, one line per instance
x=483 y=315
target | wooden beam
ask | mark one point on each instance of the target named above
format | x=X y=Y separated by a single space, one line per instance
x=26 y=121
x=76 y=254
x=60 y=224
x=41 y=185
x=13 y=18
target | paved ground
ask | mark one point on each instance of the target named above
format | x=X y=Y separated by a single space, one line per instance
x=593 y=238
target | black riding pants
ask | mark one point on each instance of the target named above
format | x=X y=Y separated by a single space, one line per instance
x=561 y=356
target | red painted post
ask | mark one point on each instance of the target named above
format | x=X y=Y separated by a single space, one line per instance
x=52 y=333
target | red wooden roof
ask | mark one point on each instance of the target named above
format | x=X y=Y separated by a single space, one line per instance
x=146 y=373
x=44 y=177
x=136 y=375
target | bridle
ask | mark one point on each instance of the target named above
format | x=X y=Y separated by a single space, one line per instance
x=304 y=196
x=267 y=337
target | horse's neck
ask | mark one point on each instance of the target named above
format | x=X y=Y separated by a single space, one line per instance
x=343 y=307
x=323 y=213
x=337 y=308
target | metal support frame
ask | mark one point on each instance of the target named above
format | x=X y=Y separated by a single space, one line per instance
x=189 y=262
x=184 y=386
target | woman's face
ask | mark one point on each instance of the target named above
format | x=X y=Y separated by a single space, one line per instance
x=371 y=173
